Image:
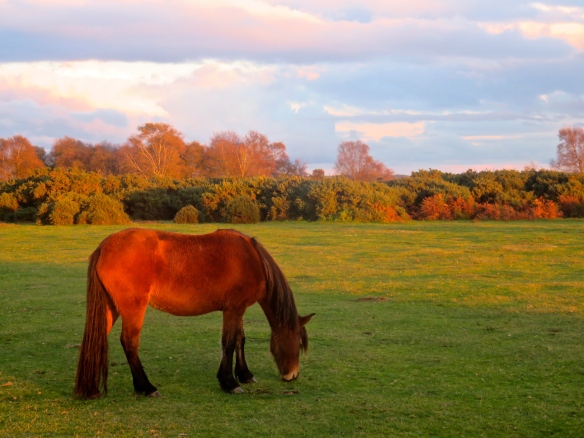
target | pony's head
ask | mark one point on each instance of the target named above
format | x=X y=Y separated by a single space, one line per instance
x=285 y=346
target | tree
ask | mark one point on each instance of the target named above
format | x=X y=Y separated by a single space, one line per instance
x=354 y=162
x=570 y=150
x=42 y=154
x=232 y=156
x=69 y=152
x=105 y=159
x=317 y=174
x=17 y=158
x=285 y=167
x=194 y=159
x=155 y=151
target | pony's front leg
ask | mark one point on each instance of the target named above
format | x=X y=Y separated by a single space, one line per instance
x=229 y=336
x=242 y=372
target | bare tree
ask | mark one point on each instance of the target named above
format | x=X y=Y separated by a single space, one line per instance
x=355 y=162
x=570 y=150
x=155 y=151
x=230 y=155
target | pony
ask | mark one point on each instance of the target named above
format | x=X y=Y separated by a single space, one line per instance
x=185 y=275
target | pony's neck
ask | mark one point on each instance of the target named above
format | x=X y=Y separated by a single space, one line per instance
x=277 y=318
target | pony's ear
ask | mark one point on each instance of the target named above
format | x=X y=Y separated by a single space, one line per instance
x=303 y=320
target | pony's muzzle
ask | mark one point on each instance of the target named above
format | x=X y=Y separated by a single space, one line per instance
x=291 y=376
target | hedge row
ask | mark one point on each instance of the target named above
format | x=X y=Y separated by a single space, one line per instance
x=58 y=196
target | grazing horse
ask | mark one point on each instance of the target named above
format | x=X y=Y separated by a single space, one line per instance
x=185 y=275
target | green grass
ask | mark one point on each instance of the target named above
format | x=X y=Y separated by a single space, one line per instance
x=422 y=329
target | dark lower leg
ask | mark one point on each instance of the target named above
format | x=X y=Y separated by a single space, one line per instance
x=141 y=383
x=242 y=372
x=225 y=373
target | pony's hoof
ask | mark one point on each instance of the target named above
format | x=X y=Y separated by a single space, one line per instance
x=237 y=390
x=154 y=394
x=250 y=380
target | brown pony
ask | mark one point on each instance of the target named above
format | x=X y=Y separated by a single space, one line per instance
x=185 y=275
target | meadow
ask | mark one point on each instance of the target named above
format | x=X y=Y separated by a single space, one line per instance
x=421 y=329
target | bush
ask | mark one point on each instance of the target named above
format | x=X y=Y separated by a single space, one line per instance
x=61 y=211
x=8 y=205
x=545 y=209
x=242 y=210
x=150 y=205
x=27 y=214
x=187 y=215
x=100 y=209
x=571 y=206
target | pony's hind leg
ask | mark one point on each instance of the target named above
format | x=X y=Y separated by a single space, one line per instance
x=112 y=316
x=131 y=327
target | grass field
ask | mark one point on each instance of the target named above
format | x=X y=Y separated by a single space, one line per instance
x=422 y=329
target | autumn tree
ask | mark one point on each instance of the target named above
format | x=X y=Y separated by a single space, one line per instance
x=355 y=162
x=69 y=152
x=105 y=159
x=18 y=158
x=317 y=174
x=570 y=150
x=253 y=155
x=194 y=159
x=155 y=151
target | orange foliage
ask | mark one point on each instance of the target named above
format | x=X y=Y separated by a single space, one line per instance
x=544 y=209
x=497 y=212
x=388 y=213
x=436 y=208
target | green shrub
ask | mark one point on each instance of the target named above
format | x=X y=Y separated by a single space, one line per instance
x=242 y=210
x=187 y=215
x=27 y=214
x=100 y=209
x=60 y=211
x=150 y=204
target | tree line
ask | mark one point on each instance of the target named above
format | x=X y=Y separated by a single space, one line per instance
x=156 y=173
x=72 y=196
x=159 y=150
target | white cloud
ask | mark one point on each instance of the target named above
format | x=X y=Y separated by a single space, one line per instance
x=377 y=131
x=296 y=106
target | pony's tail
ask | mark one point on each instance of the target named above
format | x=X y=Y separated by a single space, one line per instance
x=92 y=368
x=279 y=294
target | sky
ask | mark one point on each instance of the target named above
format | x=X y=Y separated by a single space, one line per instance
x=440 y=84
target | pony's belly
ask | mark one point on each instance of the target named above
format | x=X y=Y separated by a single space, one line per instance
x=183 y=304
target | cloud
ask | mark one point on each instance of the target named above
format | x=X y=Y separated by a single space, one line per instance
x=179 y=31
x=426 y=83
x=377 y=131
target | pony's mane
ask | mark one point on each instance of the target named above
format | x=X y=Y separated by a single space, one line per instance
x=280 y=297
